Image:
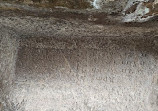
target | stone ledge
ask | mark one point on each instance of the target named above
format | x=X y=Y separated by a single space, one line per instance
x=64 y=23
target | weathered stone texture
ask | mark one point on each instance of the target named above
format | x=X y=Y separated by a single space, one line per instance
x=8 y=52
x=112 y=6
x=87 y=74
x=76 y=64
x=140 y=10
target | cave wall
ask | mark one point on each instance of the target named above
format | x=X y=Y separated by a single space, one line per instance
x=8 y=52
x=115 y=5
x=50 y=63
x=86 y=74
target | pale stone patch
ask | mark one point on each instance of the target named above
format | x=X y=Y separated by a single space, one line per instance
x=145 y=10
x=98 y=3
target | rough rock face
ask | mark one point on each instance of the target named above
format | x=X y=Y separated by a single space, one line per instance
x=140 y=10
x=69 y=63
x=63 y=59
x=111 y=5
x=102 y=3
x=86 y=74
x=73 y=4
x=133 y=10
x=8 y=54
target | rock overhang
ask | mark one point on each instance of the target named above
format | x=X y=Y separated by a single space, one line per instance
x=131 y=11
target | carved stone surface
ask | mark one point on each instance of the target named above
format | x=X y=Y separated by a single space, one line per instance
x=87 y=74
x=74 y=63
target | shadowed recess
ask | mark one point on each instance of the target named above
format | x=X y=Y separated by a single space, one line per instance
x=86 y=74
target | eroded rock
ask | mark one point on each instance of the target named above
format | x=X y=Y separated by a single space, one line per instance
x=140 y=11
x=77 y=60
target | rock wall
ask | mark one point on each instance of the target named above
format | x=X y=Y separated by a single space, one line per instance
x=111 y=5
x=8 y=52
x=87 y=74
x=140 y=10
x=73 y=63
x=72 y=4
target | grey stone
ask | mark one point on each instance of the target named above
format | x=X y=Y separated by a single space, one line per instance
x=69 y=64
